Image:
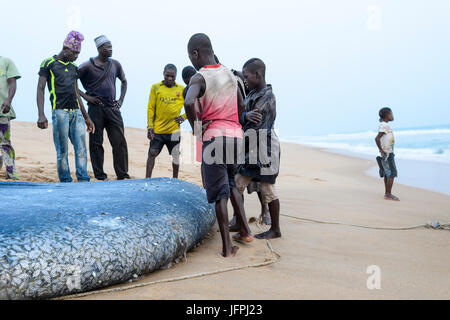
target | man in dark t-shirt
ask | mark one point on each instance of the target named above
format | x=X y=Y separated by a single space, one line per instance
x=68 y=116
x=98 y=77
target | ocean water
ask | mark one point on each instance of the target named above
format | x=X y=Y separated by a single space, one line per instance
x=422 y=154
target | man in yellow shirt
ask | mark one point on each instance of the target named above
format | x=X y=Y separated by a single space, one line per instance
x=164 y=120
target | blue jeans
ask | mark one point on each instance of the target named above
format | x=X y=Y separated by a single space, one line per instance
x=70 y=124
x=389 y=167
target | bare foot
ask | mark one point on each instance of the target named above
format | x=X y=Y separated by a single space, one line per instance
x=232 y=253
x=268 y=235
x=234 y=228
x=246 y=239
x=391 y=197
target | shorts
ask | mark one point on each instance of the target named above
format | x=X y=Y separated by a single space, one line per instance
x=389 y=167
x=254 y=187
x=268 y=192
x=172 y=141
x=219 y=172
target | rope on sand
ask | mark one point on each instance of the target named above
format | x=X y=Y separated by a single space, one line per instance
x=435 y=226
x=273 y=260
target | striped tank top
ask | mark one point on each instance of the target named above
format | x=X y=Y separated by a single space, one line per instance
x=220 y=103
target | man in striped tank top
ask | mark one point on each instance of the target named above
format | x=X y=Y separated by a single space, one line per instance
x=215 y=87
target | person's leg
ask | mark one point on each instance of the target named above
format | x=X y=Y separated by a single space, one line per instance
x=222 y=220
x=7 y=151
x=96 y=142
x=116 y=134
x=270 y=196
x=234 y=223
x=393 y=167
x=240 y=183
x=156 y=146
x=152 y=155
x=60 y=119
x=241 y=220
x=390 y=174
x=218 y=191
x=265 y=213
x=231 y=155
x=173 y=143
x=176 y=160
x=385 y=186
x=176 y=169
x=389 y=183
x=77 y=132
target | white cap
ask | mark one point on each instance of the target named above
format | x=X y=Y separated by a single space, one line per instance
x=99 y=41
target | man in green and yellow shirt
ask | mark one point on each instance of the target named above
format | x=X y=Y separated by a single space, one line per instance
x=164 y=120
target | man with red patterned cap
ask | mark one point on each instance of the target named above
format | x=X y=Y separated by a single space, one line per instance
x=69 y=116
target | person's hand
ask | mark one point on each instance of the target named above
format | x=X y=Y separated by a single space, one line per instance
x=42 y=123
x=205 y=126
x=179 y=120
x=90 y=126
x=6 y=106
x=96 y=101
x=118 y=104
x=383 y=154
x=151 y=134
x=254 y=116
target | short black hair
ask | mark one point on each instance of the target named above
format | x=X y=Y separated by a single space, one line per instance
x=255 y=64
x=384 y=113
x=188 y=72
x=170 y=66
x=200 y=42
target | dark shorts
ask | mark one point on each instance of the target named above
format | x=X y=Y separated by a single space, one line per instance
x=172 y=141
x=389 y=167
x=220 y=163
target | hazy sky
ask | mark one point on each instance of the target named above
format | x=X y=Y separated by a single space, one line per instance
x=332 y=63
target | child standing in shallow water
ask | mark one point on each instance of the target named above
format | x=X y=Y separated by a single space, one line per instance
x=385 y=142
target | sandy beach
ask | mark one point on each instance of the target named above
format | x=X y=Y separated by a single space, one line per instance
x=317 y=261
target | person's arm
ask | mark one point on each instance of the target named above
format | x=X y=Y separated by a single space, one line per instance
x=196 y=90
x=183 y=117
x=42 y=120
x=6 y=106
x=12 y=75
x=123 y=88
x=378 y=142
x=151 y=114
x=93 y=100
x=241 y=103
x=96 y=101
x=89 y=124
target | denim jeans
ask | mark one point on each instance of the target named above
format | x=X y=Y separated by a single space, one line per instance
x=70 y=125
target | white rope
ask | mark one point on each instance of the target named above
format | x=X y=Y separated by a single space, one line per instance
x=435 y=226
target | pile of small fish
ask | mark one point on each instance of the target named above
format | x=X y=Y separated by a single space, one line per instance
x=60 y=239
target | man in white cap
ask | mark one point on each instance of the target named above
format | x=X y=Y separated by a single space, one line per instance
x=98 y=77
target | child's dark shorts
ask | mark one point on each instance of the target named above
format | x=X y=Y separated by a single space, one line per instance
x=172 y=141
x=389 y=167
x=220 y=162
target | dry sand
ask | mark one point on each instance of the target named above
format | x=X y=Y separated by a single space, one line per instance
x=318 y=261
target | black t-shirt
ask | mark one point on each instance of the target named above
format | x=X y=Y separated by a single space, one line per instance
x=61 y=79
x=90 y=73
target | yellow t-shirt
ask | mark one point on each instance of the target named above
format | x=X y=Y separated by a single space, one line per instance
x=164 y=106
